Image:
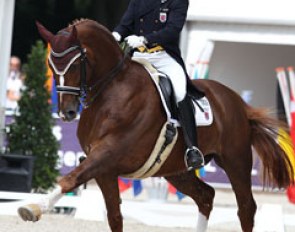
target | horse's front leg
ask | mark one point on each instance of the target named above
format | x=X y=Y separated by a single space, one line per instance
x=110 y=190
x=88 y=169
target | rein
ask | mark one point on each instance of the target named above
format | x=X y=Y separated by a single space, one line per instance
x=106 y=80
x=83 y=89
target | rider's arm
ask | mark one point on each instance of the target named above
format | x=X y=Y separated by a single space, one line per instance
x=126 y=25
x=175 y=21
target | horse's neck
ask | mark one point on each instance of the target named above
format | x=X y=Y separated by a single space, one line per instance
x=130 y=97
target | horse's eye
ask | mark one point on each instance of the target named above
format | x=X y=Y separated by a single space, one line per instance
x=74 y=67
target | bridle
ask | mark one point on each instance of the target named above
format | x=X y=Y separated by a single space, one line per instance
x=83 y=89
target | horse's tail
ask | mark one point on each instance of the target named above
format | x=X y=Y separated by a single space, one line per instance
x=277 y=167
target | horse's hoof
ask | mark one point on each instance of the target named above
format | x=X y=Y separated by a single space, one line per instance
x=30 y=212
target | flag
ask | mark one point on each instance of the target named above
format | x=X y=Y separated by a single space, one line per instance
x=291 y=189
x=54 y=98
x=125 y=184
x=291 y=194
x=284 y=88
x=200 y=69
x=50 y=84
x=171 y=189
x=174 y=191
x=137 y=187
x=292 y=102
x=180 y=195
x=286 y=144
x=49 y=74
x=200 y=172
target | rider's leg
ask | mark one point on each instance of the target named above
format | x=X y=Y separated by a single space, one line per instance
x=193 y=157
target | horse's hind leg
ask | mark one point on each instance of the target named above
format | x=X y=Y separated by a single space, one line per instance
x=199 y=191
x=238 y=170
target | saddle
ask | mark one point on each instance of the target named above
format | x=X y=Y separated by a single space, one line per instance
x=203 y=112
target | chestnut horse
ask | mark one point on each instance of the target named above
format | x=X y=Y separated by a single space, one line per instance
x=122 y=119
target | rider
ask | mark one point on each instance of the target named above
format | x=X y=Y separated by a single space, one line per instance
x=153 y=28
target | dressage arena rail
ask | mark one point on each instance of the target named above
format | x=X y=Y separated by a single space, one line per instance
x=149 y=212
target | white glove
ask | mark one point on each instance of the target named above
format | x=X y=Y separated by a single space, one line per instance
x=135 y=41
x=117 y=36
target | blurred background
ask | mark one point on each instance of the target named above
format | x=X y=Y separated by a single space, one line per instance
x=55 y=15
x=246 y=45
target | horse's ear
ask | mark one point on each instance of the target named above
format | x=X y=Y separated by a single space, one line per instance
x=73 y=35
x=45 y=34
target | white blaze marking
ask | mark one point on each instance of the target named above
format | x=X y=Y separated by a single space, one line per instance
x=62 y=83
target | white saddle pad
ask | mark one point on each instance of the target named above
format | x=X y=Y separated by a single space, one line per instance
x=203 y=118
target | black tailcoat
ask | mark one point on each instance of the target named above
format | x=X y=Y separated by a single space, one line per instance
x=159 y=21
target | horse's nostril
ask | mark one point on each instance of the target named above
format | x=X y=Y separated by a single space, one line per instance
x=70 y=115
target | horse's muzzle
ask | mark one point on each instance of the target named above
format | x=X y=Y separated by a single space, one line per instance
x=68 y=115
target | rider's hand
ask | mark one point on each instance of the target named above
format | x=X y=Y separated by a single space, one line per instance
x=135 y=41
x=117 y=36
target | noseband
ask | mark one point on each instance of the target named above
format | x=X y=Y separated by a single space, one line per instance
x=69 y=89
x=83 y=89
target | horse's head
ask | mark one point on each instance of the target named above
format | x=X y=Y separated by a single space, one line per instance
x=76 y=76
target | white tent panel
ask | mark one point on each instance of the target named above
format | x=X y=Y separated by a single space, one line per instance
x=6 y=24
x=251 y=39
x=251 y=11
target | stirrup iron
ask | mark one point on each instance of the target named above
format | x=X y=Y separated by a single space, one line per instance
x=193 y=148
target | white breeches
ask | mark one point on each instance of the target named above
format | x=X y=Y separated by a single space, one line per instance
x=164 y=63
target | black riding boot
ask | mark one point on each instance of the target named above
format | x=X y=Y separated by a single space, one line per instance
x=194 y=158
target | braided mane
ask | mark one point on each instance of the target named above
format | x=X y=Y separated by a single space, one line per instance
x=78 y=21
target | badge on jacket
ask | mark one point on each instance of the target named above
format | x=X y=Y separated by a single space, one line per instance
x=163 y=17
